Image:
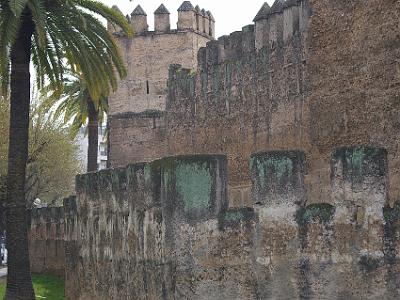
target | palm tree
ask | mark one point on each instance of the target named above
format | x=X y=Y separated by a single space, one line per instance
x=77 y=105
x=50 y=33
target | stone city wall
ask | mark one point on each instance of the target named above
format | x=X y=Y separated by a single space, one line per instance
x=309 y=75
x=163 y=230
x=137 y=108
x=288 y=187
x=46 y=241
x=249 y=94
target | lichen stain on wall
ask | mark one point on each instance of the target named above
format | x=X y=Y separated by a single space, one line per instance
x=194 y=185
x=279 y=167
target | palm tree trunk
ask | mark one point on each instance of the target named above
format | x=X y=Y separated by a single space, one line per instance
x=19 y=281
x=93 y=137
x=2 y=203
x=108 y=143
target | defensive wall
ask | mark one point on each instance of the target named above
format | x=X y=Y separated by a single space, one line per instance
x=137 y=109
x=284 y=176
x=308 y=75
x=46 y=241
x=164 y=230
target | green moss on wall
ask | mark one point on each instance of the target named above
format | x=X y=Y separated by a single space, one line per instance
x=166 y=177
x=118 y=179
x=316 y=212
x=151 y=113
x=189 y=186
x=185 y=82
x=194 y=184
x=192 y=86
x=280 y=166
x=104 y=177
x=361 y=161
x=392 y=214
x=233 y=216
x=369 y=264
x=216 y=79
x=228 y=79
x=204 y=84
x=357 y=160
x=147 y=172
x=88 y=183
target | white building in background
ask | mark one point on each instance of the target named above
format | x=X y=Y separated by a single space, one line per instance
x=82 y=142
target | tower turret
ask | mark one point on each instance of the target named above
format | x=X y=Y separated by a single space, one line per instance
x=276 y=23
x=291 y=19
x=139 y=20
x=161 y=19
x=262 y=26
x=110 y=26
x=199 y=19
x=206 y=21
x=186 y=16
x=211 y=30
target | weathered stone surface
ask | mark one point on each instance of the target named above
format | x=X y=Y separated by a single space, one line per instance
x=163 y=230
x=46 y=241
x=278 y=177
x=133 y=226
x=71 y=248
x=148 y=55
x=304 y=106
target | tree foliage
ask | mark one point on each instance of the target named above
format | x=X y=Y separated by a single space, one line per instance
x=52 y=160
x=74 y=104
x=67 y=35
x=54 y=35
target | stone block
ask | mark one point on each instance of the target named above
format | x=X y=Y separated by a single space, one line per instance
x=278 y=177
x=359 y=177
x=193 y=188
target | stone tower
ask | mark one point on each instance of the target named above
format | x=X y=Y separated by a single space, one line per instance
x=137 y=109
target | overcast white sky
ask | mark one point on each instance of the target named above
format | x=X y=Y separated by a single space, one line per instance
x=230 y=15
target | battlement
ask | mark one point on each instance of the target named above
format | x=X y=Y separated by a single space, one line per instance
x=273 y=27
x=228 y=47
x=269 y=171
x=46 y=240
x=190 y=18
x=148 y=56
x=276 y=25
x=172 y=218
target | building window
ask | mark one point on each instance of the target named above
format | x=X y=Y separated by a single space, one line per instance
x=103 y=165
x=103 y=149
x=147 y=87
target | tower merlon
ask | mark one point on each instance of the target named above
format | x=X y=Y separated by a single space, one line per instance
x=206 y=22
x=199 y=19
x=277 y=7
x=227 y=48
x=187 y=16
x=276 y=25
x=110 y=26
x=139 y=20
x=263 y=13
x=212 y=24
x=162 y=19
x=262 y=26
x=291 y=18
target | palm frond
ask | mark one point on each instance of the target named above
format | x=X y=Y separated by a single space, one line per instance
x=76 y=59
x=108 y=13
x=17 y=6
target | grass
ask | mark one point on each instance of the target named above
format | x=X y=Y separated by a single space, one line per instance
x=46 y=287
